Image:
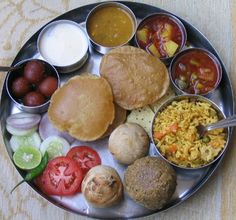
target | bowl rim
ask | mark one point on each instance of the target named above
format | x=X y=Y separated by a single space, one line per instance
x=116 y=4
x=194 y=97
x=189 y=50
x=20 y=105
x=176 y=20
x=65 y=21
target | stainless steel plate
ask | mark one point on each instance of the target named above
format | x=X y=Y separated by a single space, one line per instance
x=188 y=181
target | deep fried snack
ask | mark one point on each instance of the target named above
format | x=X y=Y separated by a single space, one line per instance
x=136 y=77
x=83 y=107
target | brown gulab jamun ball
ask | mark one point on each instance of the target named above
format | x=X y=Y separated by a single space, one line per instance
x=33 y=99
x=20 y=86
x=48 y=86
x=34 y=71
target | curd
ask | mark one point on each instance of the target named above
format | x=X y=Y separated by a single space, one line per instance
x=63 y=44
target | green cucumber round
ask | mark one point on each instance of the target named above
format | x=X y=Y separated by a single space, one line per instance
x=32 y=140
x=55 y=146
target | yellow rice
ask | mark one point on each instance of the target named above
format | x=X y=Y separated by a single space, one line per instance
x=183 y=146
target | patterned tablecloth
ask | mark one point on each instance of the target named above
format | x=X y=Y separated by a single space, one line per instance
x=216 y=19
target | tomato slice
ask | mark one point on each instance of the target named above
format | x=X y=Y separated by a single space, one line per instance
x=61 y=177
x=85 y=156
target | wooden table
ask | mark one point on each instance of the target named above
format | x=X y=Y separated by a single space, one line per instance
x=216 y=19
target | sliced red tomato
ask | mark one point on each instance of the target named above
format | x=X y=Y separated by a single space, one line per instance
x=85 y=156
x=61 y=177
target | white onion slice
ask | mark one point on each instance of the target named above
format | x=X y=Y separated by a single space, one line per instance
x=19 y=131
x=46 y=129
x=23 y=120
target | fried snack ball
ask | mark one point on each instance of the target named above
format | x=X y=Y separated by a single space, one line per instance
x=102 y=187
x=150 y=181
x=128 y=142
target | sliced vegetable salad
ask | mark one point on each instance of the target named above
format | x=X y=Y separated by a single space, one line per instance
x=47 y=156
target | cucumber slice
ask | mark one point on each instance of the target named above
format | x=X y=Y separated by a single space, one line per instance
x=55 y=146
x=27 y=157
x=19 y=131
x=31 y=140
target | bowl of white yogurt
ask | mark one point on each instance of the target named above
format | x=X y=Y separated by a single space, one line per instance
x=64 y=44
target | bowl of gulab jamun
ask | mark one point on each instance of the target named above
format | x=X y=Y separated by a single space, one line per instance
x=31 y=84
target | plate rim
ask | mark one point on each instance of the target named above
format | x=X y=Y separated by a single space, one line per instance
x=212 y=168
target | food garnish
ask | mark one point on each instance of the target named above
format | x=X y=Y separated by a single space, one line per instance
x=27 y=157
x=86 y=157
x=20 y=131
x=32 y=174
x=23 y=120
x=31 y=139
x=55 y=146
x=46 y=129
x=62 y=177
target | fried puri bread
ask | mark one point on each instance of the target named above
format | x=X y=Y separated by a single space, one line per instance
x=136 y=77
x=83 y=107
x=120 y=117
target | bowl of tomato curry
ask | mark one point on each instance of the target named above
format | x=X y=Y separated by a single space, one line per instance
x=162 y=35
x=195 y=71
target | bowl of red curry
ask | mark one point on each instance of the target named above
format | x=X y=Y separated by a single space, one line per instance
x=162 y=35
x=195 y=71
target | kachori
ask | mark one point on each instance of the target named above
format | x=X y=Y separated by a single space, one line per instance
x=128 y=142
x=83 y=107
x=102 y=187
x=150 y=181
x=136 y=77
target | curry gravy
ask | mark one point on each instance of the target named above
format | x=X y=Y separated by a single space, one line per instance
x=110 y=26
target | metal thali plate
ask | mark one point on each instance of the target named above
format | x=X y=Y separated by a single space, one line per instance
x=188 y=182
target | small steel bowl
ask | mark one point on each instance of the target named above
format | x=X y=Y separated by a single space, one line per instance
x=49 y=70
x=190 y=50
x=174 y=19
x=101 y=48
x=192 y=98
x=51 y=38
